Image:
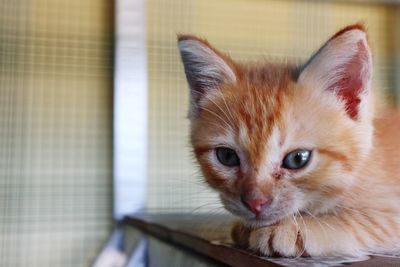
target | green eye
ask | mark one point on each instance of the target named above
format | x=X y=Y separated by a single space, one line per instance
x=227 y=156
x=296 y=159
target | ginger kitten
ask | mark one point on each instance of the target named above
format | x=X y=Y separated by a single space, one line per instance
x=296 y=151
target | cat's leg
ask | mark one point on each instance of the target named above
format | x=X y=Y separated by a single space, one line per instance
x=335 y=234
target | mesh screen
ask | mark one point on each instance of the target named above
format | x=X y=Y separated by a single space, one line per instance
x=55 y=131
x=247 y=30
x=56 y=107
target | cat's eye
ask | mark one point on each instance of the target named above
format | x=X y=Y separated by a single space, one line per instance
x=227 y=156
x=296 y=159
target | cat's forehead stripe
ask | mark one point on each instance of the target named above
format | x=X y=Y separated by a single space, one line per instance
x=259 y=110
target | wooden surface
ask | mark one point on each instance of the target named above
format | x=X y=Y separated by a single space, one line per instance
x=209 y=235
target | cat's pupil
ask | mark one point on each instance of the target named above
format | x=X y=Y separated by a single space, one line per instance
x=227 y=156
x=296 y=159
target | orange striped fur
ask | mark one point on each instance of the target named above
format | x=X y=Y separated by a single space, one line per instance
x=346 y=200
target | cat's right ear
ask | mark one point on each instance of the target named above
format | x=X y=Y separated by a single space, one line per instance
x=343 y=67
x=206 y=69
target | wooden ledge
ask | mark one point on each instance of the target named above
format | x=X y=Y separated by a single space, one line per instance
x=209 y=235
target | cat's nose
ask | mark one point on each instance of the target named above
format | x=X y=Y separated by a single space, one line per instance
x=257 y=205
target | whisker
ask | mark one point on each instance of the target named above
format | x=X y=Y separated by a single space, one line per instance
x=202 y=206
x=223 y=111
x=304 y=235
x=218 y=116
x=215 y=124
x=226 y=105
x=319 y=222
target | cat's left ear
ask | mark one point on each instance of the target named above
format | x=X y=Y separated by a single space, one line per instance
x=343 y=66
x=206 y=69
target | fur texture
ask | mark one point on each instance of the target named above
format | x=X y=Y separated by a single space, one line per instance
x=346 y=199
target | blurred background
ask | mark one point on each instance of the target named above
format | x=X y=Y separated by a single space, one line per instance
x=58 y=105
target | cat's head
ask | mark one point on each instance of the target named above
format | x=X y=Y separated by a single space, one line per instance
x=276 y=139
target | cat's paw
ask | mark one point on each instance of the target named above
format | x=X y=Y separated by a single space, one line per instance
x=283 y=240
x=240 y=235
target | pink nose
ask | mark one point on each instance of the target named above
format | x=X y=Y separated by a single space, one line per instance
x=257 y=205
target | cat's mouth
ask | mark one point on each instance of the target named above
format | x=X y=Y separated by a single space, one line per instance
x=266 y=219
x=269 y=216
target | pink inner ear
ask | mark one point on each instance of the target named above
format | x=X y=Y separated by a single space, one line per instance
x=352 y=84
